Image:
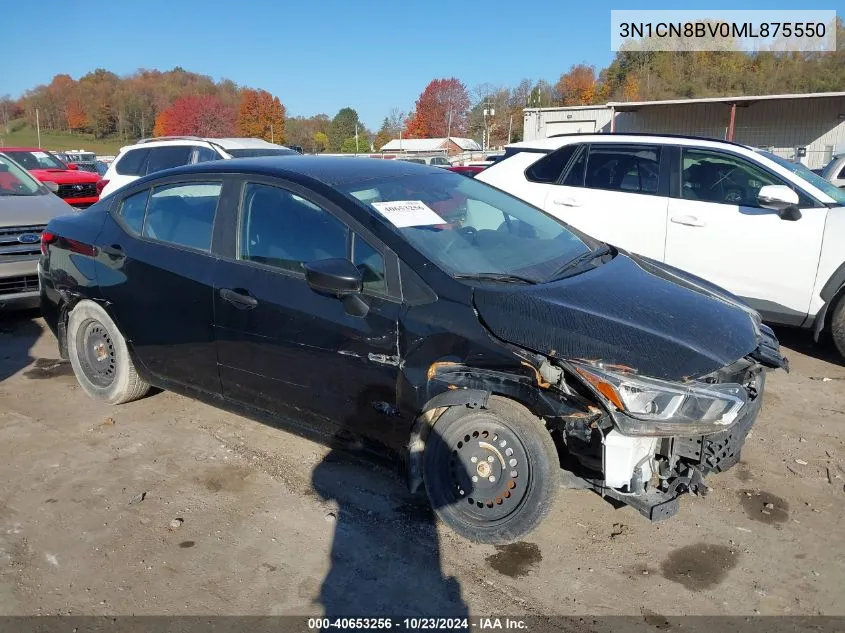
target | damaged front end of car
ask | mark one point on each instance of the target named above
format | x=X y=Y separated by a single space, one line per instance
x=652 y=439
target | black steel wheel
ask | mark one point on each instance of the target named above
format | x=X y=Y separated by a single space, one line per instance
x=490 y=473
x=100 y=357
x=96 y=353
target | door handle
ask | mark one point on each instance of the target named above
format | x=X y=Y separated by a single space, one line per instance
x=115 y=250
x=687 y=220
x=241 y=299
x=566 y=202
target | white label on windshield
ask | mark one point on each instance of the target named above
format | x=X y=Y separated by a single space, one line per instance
x=404 y=213
x=40 y=154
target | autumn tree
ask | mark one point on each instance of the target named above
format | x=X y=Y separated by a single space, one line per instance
x=577 y=86
x=321 y=141
x=440 y=111
x=342 y=127
x=76 y=118
x=261 y=115
x=199 y=115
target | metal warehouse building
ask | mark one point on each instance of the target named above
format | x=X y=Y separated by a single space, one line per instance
x=780 y=123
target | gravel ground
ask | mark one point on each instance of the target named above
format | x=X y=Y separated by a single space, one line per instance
x=167 y=506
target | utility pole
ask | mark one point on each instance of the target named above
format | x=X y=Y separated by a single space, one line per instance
x=356 y=138
x=510 y=129
x=38 y=127
x=272 y=138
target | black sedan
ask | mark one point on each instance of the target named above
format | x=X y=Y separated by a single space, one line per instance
x=491 y=349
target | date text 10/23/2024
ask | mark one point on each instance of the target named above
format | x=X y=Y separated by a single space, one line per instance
x=418 y=624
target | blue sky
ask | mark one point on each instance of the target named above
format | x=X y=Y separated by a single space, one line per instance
x=318 y=56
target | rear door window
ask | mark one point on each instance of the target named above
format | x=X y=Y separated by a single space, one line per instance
x=132 y=210
x=133 y=162
x=628 y=168
x=183 y=214
x=549 y=168
x=168 y=157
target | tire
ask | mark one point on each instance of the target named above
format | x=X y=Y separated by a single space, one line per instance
x=100 y=358
x=837 y=325
x=524 y=490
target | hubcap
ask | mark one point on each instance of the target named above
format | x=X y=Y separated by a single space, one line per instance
x=489 y=471
x=96 y=353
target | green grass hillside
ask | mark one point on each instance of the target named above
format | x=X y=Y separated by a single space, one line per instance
x=26 y=136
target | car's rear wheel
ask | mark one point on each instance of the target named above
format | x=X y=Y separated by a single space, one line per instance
x=837 y=325
x=491 y=474
x=100 y=358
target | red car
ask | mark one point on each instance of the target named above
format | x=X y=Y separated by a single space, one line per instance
x=76 y=187
x=467 y=170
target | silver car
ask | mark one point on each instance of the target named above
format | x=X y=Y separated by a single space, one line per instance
x=26 y=206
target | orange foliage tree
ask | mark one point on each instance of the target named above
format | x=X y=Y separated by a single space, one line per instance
x=199 y=115
x=261 y=115
x=76 y=118
x=441 y=110
x=578 y=86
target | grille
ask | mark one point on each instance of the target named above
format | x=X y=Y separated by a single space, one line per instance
x=11 y=244
x=15 y=285
x=83 y=190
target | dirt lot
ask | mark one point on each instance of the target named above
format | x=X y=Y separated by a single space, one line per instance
x=168 y=506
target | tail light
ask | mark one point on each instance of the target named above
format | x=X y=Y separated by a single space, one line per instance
x=74 y=246
x=47 y=238
x=101 y=184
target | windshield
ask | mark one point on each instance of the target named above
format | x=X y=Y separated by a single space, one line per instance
x=15 y=181
x=814 y=179
x=259 y=151
x=36 y=159
x=833 y=166
x=467 y=227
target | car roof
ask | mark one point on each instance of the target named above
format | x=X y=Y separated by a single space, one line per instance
x=225 y=143
x=329 y=170
x=559 y=140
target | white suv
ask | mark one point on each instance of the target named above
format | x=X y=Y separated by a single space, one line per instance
x=154 y=154
x=767 y=229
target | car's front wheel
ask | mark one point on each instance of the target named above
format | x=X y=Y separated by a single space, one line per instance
x=491 y=474
x=100 y=358
x=837 y=325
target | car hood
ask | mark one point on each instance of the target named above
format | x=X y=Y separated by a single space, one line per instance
x=31 y=210
x=630 y=311
x=64 y=176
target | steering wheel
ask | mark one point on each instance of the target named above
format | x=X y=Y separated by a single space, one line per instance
x=468 y=232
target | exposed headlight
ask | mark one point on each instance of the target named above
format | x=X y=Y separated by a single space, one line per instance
x=649 y=406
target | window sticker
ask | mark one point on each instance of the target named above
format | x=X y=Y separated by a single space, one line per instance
x=404 y=213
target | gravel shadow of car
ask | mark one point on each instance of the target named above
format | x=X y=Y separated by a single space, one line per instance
x=385 y=557
x=18 y=333
x=801 y=341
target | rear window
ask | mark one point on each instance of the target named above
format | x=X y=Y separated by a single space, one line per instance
x=133 y=162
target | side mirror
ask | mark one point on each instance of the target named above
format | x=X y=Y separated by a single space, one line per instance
x=72 y=166
x=53 y=187
x=782 y=199
x=339 y=278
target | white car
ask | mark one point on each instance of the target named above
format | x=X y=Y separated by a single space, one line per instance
x=766 y=229
x=835 y=171
x=154 y=154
